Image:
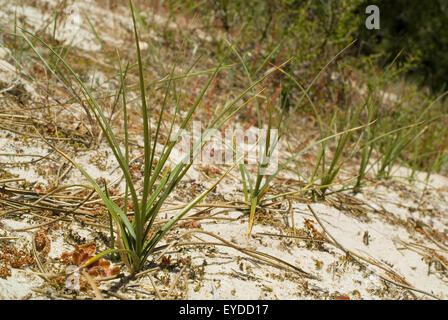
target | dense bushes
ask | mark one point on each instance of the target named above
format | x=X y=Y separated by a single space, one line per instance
x=310 y=30
x=419 y=28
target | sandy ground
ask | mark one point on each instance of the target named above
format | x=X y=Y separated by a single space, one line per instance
x=377 y=225
x=388 y=242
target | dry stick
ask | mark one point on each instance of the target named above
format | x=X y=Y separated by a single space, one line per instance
x=185 y=297
x=142 y=273
x=55 y=275
x=62 y=188
x=12 y=86
x=348 y=252
x=12 y=180
x=54 y=220
x=109 y=278
x=116 y=295
x=23 y=208
x=38 y=225
x=8 y=238
x=70 y=196
x=354 y=256
x=293 y=225
x=88 y=222
x=45 y=196
x=48 y=207
x=376 y=263
x=36 y=257
x=168 y=247
x=13 y=191
x=149 y=293
x=4 y=213
x=155 y=288
x=258 y=256
x=428 y=254
x=440 y=245
x=252 y=253
x=89 y=279
x=65 y=296
x=48 y=138
x=40 y=158
x=287 y=236
x=425 y=247
x=175 y=281
x=62 y=176
x=207 y=207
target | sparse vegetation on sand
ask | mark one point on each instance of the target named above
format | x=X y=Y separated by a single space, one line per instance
x=115 y=121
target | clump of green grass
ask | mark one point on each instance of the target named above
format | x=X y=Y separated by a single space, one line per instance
x=392 y=148
x=324 y=173
x=328 y=173
x=255 y=188
x=137 y=239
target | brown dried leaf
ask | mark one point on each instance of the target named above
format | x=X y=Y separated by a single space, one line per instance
x=341 y=297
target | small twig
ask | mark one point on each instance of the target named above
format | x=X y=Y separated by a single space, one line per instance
x=36 y=257
x=271 y=260
x=440 y=245
x=38 y=225
x=140 y=274
x=186 y=287
x=287 y=236
x=91 y=282
x=116 y=295
x=12 y=180
x=155 y=288
x=12 y=86
x=149 y=293
x=8 y=238
x=175 y=281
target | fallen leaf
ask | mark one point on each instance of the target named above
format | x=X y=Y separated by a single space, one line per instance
x=341 y=297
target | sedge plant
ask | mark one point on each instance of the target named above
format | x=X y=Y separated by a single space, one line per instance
x=255 y=188
x=328 y=173
x=137 y=239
